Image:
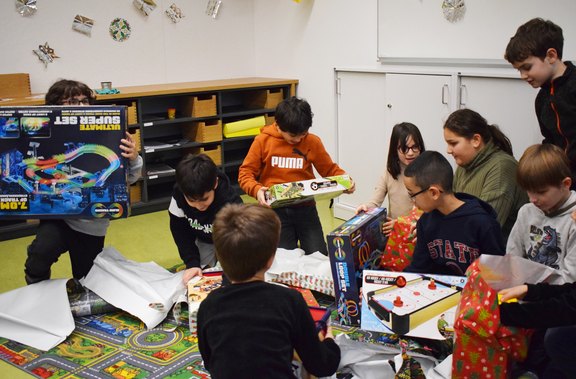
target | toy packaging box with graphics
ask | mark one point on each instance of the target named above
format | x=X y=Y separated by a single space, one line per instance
x=63 y=162
x=399 y=302
x=353 y=247
x=281 y=195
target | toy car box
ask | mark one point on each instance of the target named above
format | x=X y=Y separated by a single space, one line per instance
x=400 y=302
x=354 y=246
x=62 y=162
x=281 y=195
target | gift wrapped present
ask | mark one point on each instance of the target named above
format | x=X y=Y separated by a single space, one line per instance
x=400 y=246
x=483 y=347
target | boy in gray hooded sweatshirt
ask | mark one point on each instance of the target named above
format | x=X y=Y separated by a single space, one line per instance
x=544 y=231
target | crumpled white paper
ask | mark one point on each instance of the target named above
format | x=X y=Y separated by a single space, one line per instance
x=507 y=271
x=145 y=290
x=37 y=315
x=294 y=268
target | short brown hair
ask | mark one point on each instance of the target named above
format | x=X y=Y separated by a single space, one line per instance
x=245 y=238
x=66 y=89
x=542 y=166
x=534 y=38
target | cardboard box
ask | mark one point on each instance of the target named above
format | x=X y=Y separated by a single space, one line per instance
x=198 y=289
x=201 y=106
x=281 y=195
x=14 y=85
x=214 y=152
x=63 y=162
x=265 y=98
x=355 y=245
x=408 y=303
x=204 y=131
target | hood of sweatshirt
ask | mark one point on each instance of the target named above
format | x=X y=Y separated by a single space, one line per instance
x=472 y=206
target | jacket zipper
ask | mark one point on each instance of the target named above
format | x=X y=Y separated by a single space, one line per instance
x=558 y=127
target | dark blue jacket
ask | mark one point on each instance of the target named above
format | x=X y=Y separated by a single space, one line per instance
x=448 y=244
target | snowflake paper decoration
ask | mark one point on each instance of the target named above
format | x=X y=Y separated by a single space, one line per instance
x=174 y=13
x=26 y=7
x=46 y=54
x=453 y=9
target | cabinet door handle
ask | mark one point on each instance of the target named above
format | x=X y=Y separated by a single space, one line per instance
x=463 y=92
x=444 y=90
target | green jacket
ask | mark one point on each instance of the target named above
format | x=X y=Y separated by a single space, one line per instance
x=491 y=176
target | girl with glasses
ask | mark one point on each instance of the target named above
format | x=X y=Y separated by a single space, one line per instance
x=406 y=144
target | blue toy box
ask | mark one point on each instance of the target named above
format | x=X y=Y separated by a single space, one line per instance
x=63 y=162
x=354 y=246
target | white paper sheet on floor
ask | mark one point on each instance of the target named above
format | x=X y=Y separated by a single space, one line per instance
x=133 y=286
x=37 y=315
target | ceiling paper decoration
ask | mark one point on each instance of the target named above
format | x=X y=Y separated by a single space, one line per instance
x=453 y=9
x=145 y=6
x=213 y=7
x=26 y=7
x=46 y=54
x=83 y=25
x=120 y=29
x=174 y=13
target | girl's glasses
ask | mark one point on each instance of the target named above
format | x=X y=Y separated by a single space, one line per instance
x=74 y=101
x=404 y=150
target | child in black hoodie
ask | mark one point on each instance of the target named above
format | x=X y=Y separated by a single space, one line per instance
x=200 y=192
x=455 y=228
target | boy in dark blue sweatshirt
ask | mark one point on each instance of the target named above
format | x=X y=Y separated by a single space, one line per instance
x=455 y=228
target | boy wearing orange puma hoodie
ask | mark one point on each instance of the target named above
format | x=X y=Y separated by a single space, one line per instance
x=285 y=152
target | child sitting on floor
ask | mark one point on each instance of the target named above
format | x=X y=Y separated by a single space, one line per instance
x=455 y=228
x=250 y=328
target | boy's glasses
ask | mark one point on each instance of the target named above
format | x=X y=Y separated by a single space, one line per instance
x=412 y=196
x=404 y=150
x=84 y=101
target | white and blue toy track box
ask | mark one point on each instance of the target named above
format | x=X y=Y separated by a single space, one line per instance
x=63 y=162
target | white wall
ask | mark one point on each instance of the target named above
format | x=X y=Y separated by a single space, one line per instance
x=307 y=40
x=482 y=33
x=158 y=51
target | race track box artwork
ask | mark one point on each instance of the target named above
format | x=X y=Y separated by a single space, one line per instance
x=62 y=162
x=353 y=247
x=281 y=195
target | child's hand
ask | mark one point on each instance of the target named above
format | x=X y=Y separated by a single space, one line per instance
x=352 y=188
x=261 y=196
x=322 y=335
x=517 y=292
x=190 y=273
x=413 y=233
x=363 y=208
x=573 y=215
x=388 y=226
x=128 y=147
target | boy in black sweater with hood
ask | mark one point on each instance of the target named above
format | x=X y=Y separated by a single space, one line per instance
x=201 y=190
x=455 y=228
x=536 y=52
